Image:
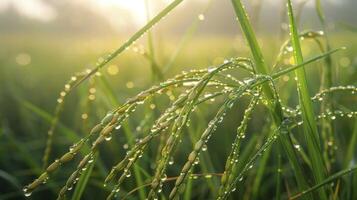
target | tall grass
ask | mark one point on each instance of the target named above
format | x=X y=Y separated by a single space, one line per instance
x=275 y=108
x=167 y=125
x=311 y=134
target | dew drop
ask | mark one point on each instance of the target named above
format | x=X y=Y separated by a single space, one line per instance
x=108 y=138
x=211 y=69
x=171 y=161
x=197 y=161
x=27 y=194
x=128 y=174
x=289 y=48
x=164 y=177
x=208 y=176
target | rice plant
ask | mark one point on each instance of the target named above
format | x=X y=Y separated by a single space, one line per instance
x=295 y=152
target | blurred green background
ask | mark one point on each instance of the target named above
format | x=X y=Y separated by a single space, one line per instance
x=43 y=43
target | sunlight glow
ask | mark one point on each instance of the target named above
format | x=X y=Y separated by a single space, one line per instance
x=115 y=11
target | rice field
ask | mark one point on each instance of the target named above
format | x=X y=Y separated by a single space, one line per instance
x=249 y=116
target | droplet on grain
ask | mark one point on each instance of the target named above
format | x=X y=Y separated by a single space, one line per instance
x=289 y=48
x=128 y=174
x=108 y=138
x=27 y=194
x=171 y=161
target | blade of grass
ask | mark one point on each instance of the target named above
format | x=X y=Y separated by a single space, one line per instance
x=351 y=146
x=319 y=11
x=9 y=179
x=188 y=190
x=108 y=91
x=276 y=110
x=127 y=131
x=326 y=82
x=157 y=74
x=324 y=182
x=309 y=126
x=260 y=173
x=262 y=167
x=278 y=175
x=305 y=63
x=23 y=152
x=131 y=40
x=187 y=35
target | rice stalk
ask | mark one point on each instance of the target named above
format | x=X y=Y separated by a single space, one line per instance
x=191 y=161
x=283 y=129
x=180 y=122
x=198 y=79
x=83 y=181
x=132 y=155
x=131 y=40
x=168 y=179
x=287 y=48
x=111 y=121
x=57 y=113
x=230 y=166
x=311 y=134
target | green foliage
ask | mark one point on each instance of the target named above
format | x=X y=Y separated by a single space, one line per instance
x=231 y=130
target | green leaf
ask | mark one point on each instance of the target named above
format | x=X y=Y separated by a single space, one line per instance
x=324 y=182
x=309 y=126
